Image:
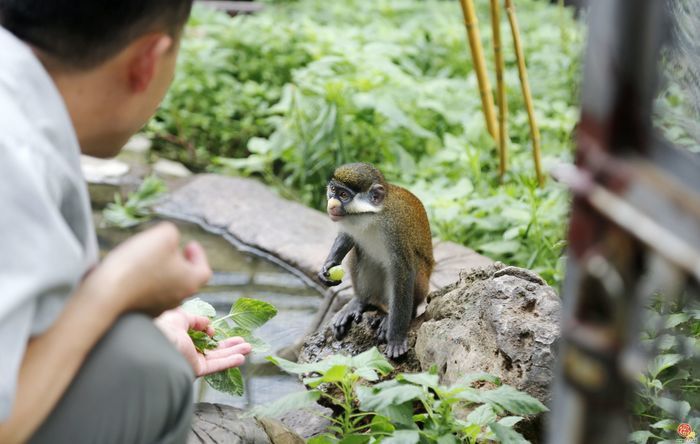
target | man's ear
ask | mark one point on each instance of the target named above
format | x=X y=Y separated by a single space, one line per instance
x=147 y=52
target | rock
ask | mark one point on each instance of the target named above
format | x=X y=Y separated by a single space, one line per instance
x=499 y=320
x=103 y=170
x=170 y=168
x=222 y=424
x=138 y=144
x=494 y=319
x=307 y=422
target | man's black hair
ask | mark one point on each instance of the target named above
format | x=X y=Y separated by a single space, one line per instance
x=85 y=33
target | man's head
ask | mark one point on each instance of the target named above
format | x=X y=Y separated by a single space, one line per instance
x=111 y=60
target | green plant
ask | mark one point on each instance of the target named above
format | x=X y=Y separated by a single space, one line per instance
x=245 y=316
x=411 y=408
x=137 y=208
x=668 y=392
x=289 y=94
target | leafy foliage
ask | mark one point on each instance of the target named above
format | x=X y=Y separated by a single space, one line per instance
x=410 y=408
x=137 y=208
x=668 y=392
x=246 y=315
x=292 y=92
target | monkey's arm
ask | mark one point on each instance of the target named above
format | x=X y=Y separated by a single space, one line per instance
x=341 y=247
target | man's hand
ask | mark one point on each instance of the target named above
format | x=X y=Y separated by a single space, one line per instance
x=151 y=273
x=230 y=353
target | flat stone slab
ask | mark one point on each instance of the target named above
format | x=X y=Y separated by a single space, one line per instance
x=299 y=236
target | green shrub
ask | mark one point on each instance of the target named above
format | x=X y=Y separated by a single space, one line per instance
x=293 y=92
x=411 y=408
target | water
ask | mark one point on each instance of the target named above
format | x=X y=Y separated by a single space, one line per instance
x=237 y=274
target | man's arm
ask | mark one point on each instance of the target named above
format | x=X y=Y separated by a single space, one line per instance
x=148 y=273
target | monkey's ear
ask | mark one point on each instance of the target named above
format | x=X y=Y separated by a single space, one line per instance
x=377 y=194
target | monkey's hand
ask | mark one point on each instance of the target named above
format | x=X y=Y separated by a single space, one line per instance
x=324 y=275
x=396 y=348
x=351 y=311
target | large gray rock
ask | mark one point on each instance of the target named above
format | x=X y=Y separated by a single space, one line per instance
x=496 y=319
x=499 y=320
x=222 y=424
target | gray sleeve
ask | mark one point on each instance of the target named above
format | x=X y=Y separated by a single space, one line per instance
x=41 y=261
x=14 y=332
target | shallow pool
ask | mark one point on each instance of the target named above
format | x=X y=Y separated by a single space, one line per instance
x=238 y=274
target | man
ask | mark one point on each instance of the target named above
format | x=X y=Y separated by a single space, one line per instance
x=82 y=359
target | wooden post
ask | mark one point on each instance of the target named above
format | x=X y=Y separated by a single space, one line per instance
x=527 y=96
x=501 y=90
x=471 y=22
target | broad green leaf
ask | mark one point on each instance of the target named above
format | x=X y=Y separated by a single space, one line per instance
x=367 y=374
x=679 y=409
x=447 y=439
x=310 y=367
x=292 y=401
x=373 y=359
x=423 y=379
x=663 y=362
x=355 y=439
x=259 y=345
x=514 y=401
x=507 y=435
x=510 y=421
x=228 y=381
x=335 y=374
x=471 y=378
x=500 y=247
x=640 y=436
x=372 y=399
x=198 y=307
x=251 y=313
x=322 y=439
x=399 y=414
x=482 y=415
x=402 y=437
x=380 y=423
x=665 y=424
x=470 y=395
x=676 y=319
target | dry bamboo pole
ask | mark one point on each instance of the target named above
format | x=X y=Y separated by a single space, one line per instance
x=472 y=25
x=527 y=96
x=501 y=90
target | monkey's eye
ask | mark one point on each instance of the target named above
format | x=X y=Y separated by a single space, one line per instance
x=332 y=188
x=343 y=195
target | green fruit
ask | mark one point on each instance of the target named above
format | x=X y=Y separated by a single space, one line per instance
x=336 y=273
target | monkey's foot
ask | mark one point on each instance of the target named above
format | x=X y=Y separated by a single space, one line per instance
x=396 y=348
x=341 y=322
x=381 y=324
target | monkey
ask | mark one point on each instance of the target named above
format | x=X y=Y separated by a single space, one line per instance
x=386 y=231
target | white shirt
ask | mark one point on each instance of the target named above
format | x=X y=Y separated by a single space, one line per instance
x=47 y=239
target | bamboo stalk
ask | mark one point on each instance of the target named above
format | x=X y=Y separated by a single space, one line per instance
x=501 y=90
x=527 y=96
x=471 y=23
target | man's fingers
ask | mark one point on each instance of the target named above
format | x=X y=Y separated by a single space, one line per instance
x=197 y=322
x=233 y=340
x=240 y=349
x=216 y=365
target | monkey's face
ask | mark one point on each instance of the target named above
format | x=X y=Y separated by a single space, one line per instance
x=344 y=201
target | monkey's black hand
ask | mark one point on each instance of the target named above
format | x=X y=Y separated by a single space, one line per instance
x=351 y=311
x=324 y=277
x=396 y=348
